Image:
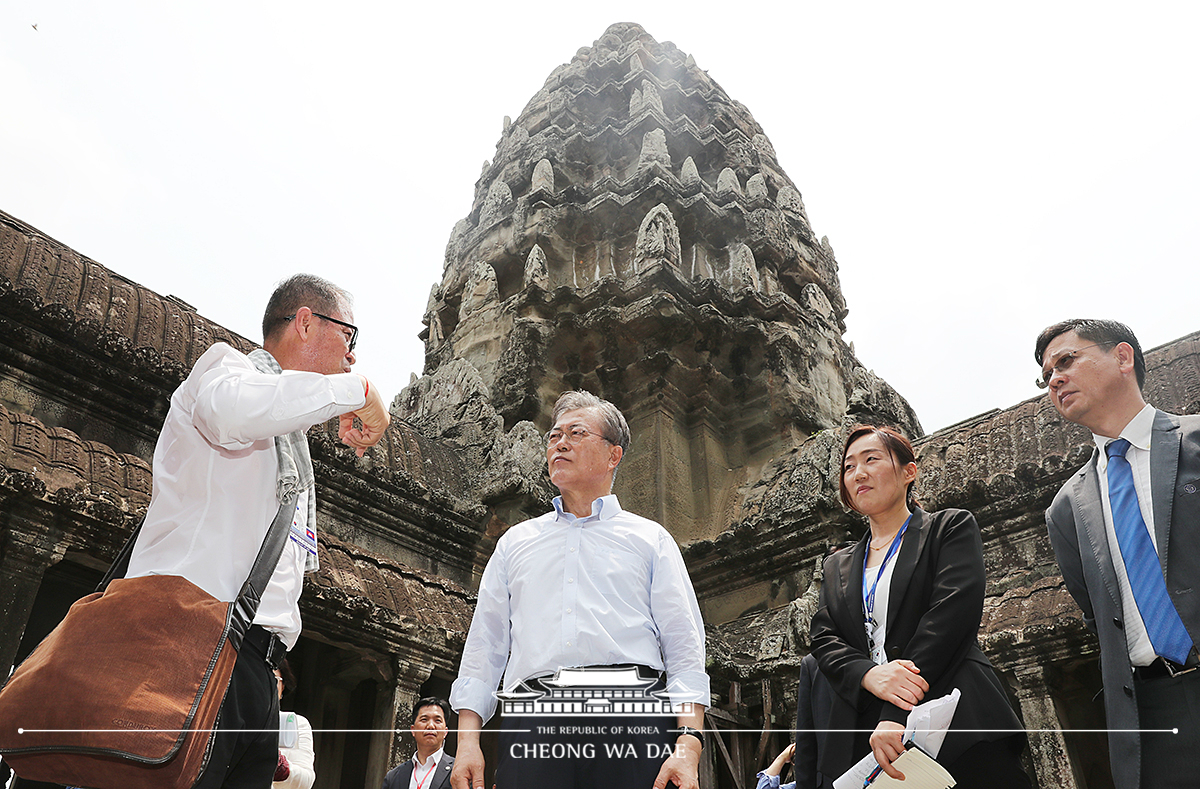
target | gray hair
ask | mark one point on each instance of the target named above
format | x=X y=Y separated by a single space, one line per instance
x=302 y=290
x=615 y=429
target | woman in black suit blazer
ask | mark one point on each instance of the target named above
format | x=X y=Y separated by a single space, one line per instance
x=909 y=632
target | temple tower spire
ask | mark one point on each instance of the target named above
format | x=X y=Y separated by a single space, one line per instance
x=644 y=243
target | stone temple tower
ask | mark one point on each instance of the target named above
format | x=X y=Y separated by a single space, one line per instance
x=635 y=236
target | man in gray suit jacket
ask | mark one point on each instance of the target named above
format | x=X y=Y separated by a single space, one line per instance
x=1138 y=584
x=429 y=768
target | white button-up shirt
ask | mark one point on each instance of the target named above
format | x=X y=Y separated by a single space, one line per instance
x=421 y=772
x=1137 y=433
x=215 y=473
x=561 y=591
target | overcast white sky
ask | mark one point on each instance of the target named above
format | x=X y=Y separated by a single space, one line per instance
x=981 y=170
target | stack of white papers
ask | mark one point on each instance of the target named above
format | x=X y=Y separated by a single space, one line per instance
x=920 y=772
x=926 y=727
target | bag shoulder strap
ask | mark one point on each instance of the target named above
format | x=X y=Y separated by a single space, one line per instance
x=246 y=605
x=248 y=599
x=120 y=565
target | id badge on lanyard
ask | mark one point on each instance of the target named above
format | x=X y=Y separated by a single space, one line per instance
x=303 y=533
x=877 y=654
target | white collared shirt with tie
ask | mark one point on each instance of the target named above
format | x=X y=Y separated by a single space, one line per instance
x=1137 y=433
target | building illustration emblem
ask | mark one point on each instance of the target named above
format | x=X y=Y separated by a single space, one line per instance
x=593 y=691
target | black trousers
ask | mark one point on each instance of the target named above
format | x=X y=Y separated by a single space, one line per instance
x=992 y=764
x=245 y=747
x=1169 y=760
x=583 y=752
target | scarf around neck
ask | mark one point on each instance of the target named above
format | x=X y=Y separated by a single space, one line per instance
x=295 y=464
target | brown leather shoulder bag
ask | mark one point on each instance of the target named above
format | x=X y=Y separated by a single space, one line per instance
x=124 y=693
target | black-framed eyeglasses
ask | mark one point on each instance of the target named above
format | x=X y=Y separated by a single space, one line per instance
x=1062 y=364
x=353 y=329
x=574 y=435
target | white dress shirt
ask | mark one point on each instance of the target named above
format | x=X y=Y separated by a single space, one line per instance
x=421 y=774
x=561 y=591
x=883 y=592
x=215 y=473
x=1137 y=433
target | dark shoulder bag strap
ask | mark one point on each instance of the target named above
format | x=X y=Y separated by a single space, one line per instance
x=120 y=564
x=246 y=605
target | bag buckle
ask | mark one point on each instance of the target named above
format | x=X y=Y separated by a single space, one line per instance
x=276 y=651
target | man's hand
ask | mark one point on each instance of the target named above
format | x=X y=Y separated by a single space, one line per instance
x=468 y=767
x=887 y=743
x=468 y=759
x=683 y=766
x=375 y=419
x=899 y=682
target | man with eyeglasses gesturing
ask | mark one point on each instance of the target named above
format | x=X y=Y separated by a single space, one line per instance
x=1126 y=534
x=592 y=587
x=233 y=444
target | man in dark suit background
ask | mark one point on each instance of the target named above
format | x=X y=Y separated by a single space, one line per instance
x=429 y=768
x=814 y=698
x=1138 y=584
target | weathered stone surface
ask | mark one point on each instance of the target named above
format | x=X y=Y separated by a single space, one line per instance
x=756 y=187
x=536 y=274
x=727 y=184
x=65 y=469
x=688 y=174
x=654 y=151
x=743 y=271
x=543 y=177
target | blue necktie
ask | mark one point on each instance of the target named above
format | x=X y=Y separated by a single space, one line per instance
x=1163 y=625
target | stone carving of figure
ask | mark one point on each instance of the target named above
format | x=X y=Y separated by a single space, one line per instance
x=658 y=239
x=743 y=271
x=536 y=272
x=801 y=610
x=480 y=290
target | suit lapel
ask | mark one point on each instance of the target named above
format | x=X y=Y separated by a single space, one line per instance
x=439 y=779
x=443 y=772
x=1089 y=524
x=1164 y=466
x=906 y=560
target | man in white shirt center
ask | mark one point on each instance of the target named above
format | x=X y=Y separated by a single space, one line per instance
x=586 y=586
